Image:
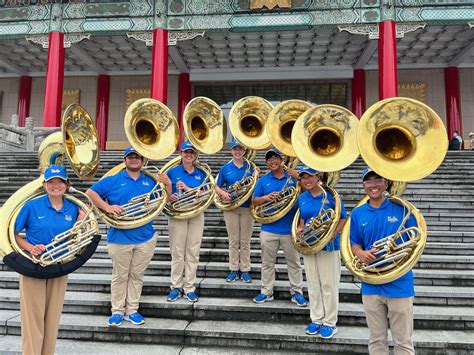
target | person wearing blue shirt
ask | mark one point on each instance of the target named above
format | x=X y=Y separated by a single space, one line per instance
x=372 y=221
x=41 y=300
x=239 y=221
x=323 y=269
x=278 y=233
x=185 y=234
x=131 y=250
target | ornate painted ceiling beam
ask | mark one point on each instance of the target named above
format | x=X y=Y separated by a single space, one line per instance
x=146 y=15
x=178 y=59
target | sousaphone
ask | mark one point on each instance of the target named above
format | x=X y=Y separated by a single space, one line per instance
x=404 y=140
x=78 y=144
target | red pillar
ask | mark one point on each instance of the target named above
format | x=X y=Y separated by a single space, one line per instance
x=102 y=111
x=358 y=92
x=24 y=99
x=54 y=81
x=184 y=96
x=388 y=79
x=453 y=100
x=159 y=66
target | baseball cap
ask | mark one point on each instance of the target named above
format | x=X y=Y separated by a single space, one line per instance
x=307 y=170
x=273 y=151
x=130 y=150
x=55 y=171
x=366 y=172
x=187 y=145
x=236 y=143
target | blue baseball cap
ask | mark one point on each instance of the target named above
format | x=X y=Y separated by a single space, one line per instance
x=236 y=143
x=187 y=145
x=367 y=171
x=307 y=170
x=55 y=171
x=130 y=150
x=273 y=151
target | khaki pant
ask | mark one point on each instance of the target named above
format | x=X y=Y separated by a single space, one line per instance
x=129 y=262
x=41 y=304
x=323 y=271
x=400 y=315
x=185 y=243
x=270 y=244
x=239 y=224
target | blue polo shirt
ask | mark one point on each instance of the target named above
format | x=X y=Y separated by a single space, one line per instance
x=369 y=224
x=42 y=222
x=119 y=189
x=231 y=173
x=179 y=173
x=309 y=206
x=269 y=183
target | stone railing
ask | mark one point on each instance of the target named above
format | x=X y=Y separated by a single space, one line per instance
x=22 y=139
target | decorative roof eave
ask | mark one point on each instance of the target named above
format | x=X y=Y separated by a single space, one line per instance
x=145 y=15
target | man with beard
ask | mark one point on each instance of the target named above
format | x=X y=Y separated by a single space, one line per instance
x=372 y=221
x=131 y=250
x=278 y=233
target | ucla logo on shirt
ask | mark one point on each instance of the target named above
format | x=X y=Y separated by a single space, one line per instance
x=68 y=218
x=146 y=183
x=197 y=177
x=392 y=219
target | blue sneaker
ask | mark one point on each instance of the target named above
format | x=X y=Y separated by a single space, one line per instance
x=313 y=328
x=115 y=320
x=327 y=332
x=192 y=297
x=246 y=277
x=233 y=275
x=174 y=295
x=135 y=318
x=299 y=299
x=261 y=298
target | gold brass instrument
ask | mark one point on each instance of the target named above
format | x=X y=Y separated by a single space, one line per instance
x=408 y=142
x=247 y=122
x=325 y=139
x=279 y=130
x=204 y=127
x=152 y=130
x=77 y=142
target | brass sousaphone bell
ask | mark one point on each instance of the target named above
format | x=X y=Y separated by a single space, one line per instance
x=400 y=139
x=280 y=125
x=325 y=139
x=247 y=122
x=77 y=143
x=205 y=128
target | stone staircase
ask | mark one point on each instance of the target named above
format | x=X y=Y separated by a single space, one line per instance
x=225 y=320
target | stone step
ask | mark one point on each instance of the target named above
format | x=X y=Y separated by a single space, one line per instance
x=213 y=308
x=217 y=287
x=256 y=335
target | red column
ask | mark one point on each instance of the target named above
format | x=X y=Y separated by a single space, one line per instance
x=184 y=96
x=54 y=81
x=159 y=66
x=388 y=79
x=358 y=92
x=24 y=99
x=102 y=111
x=453 y=100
